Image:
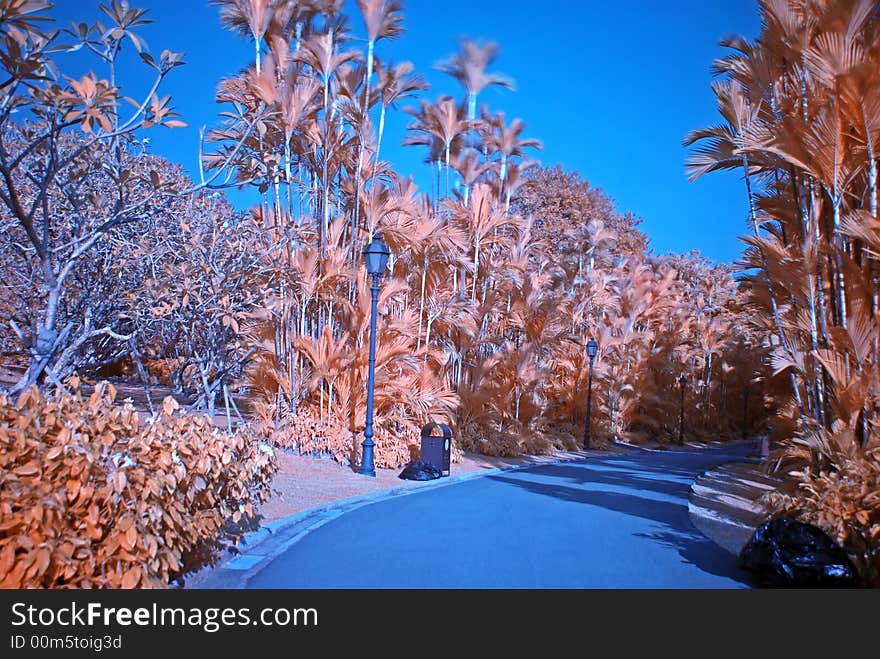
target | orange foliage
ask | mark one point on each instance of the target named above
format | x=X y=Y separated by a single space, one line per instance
x=801 y=110
x=843 y=498
x=397 y=441
x=90 y=498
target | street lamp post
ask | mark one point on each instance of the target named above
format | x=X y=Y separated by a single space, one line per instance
x=681 y=382
x=376 y=259
x=592 y=349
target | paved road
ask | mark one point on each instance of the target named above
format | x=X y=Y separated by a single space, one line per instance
x=616 y=521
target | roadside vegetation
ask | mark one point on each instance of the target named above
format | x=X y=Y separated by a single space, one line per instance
x=801 y=122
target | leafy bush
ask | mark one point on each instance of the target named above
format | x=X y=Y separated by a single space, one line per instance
x=397 y=441
x=842 y=496
x=92 y=498
x=484 y=439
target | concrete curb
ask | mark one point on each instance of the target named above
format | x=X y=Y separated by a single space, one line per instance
x=263 y=545
x=723 y=502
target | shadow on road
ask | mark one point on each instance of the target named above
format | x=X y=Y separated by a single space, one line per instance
x=652 y=486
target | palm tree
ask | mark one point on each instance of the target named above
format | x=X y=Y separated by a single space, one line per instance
x=395 y=83
x=482 y=220
x=329 y=357
x=467 y=164
x=436 y=246
x=383 y=20
x=251 y=17
x=726 y=147
x=439 y=124
x=803 y=120
x=469 y=67
x=505 y=140
x=320 y=54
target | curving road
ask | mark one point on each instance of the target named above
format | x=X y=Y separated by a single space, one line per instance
x=613 y=521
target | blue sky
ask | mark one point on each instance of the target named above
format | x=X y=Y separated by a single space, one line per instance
x=609 y=87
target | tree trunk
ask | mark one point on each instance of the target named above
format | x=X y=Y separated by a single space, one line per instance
x=422 y=300
x=472 y=114
x=446 y=193
x=476 y=268
x=769 y=281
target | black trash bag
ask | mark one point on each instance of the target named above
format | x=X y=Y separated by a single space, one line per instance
x=420 y=471
x=787 y=553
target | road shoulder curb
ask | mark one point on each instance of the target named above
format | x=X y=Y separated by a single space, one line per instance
x=723 y=502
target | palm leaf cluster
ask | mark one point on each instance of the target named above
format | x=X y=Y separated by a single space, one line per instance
x=801 y=120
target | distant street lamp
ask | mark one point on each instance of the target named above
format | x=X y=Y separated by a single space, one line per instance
x=681 y=383
x=592 y=349
x=376 y=257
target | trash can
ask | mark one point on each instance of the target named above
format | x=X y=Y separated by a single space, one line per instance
x=436 y=451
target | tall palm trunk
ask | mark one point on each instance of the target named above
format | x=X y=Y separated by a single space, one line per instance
x=355 y=222
x=872 y=165
x=472 y=115
x=381 y=132
x=446 y=153
x=325 y=180
x=839 y=240
x=769 y=281
x=368 y=76
x=422 y=301
x=476 y=268
x=428 y=332
x=872 y=201
x=815 y=281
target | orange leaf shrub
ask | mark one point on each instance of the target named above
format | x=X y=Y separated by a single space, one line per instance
x=306 y=434
x=397 y=441
x=90 y=498
x=484 y=439
x=845 y=503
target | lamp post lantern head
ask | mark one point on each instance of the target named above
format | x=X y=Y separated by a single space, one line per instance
x=376 y=256
x=682 y=379
x=592 y=348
